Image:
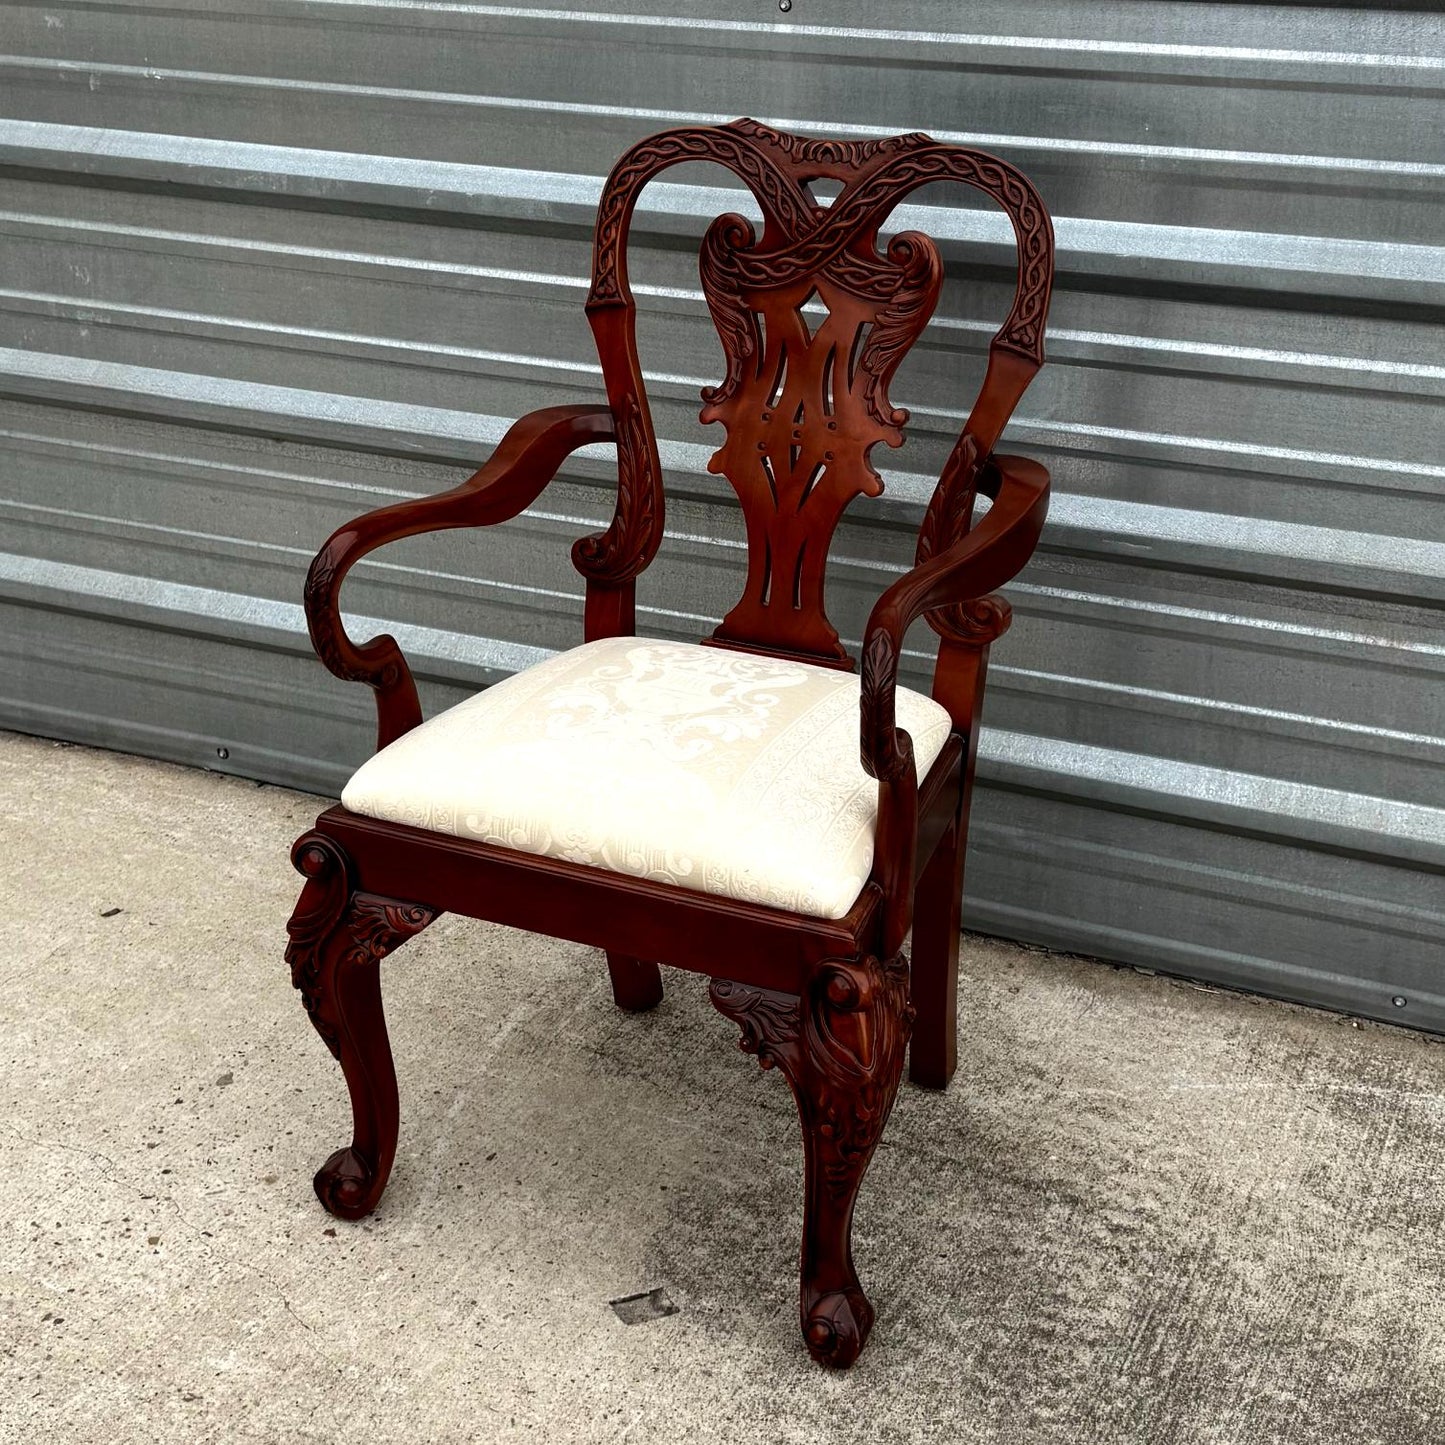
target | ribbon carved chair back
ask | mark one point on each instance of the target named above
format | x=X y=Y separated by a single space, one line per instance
x=804 y=398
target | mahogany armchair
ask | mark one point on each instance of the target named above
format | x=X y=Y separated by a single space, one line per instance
x=706 y=804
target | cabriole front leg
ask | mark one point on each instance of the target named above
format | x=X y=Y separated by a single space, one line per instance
x=338 y=939
x=841 y=1047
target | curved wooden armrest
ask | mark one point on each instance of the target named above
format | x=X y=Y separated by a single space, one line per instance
x=993 y=552
x=525 y=460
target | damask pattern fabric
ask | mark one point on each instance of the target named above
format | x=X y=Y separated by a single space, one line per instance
x=714 y=770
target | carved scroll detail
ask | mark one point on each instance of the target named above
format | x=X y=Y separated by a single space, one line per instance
x=947 y=521
x=985 y=619
x=326 y=628
x=920 y=274
x=617 y=553
x=372 y=927
x=736 y=328
x=380 y=925
x=318 y=911
x=850 y=154
x=770 y=1021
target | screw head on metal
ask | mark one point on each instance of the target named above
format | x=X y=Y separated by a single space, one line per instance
x=223 y=753
x=1399 y=1000
x=785 y=5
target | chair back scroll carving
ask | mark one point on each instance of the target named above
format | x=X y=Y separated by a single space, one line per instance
x=804 y=396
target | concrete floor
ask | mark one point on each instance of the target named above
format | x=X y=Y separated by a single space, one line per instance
x=1144 y=1212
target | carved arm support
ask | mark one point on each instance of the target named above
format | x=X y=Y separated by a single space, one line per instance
x=525 y=460
x=986 y=557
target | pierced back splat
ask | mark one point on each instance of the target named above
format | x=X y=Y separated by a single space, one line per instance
x=803 y=407
x=804 y=404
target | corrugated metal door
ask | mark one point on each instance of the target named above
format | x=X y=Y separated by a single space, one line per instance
x=264 y=265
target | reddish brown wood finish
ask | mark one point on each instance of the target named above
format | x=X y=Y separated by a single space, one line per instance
x=803 y=406
x=339 y=935
x=803 y=401
x=840 y=1045
x=525 y=460
x=636 y=984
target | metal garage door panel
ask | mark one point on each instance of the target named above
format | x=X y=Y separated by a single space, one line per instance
x=568 y=90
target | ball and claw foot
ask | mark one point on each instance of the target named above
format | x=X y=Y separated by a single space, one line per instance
x=837 y=1326
x=346 y=1185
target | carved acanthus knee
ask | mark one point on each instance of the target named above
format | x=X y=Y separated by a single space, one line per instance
x=372 y=927
x=841 y=1046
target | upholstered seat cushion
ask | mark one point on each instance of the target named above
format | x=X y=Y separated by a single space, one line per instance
x=714 y=770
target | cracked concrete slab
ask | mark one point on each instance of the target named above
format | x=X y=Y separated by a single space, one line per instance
x=1144 y=1212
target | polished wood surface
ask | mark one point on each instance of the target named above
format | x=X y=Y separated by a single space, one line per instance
x=814 y=319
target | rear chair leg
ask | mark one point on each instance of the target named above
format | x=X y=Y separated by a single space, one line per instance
x=338 y=939
x=636 y=984
x=958 y=684
x=933 y=1054
x=840 y=1046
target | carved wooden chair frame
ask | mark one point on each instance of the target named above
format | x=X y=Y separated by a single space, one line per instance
x=830 y=1003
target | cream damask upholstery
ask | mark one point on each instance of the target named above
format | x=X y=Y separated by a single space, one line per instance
x=720 y=771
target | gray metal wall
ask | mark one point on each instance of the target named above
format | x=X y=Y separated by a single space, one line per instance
x=266 y=264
